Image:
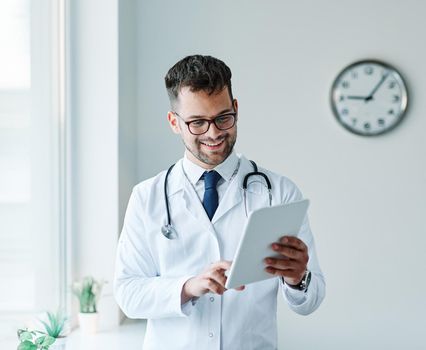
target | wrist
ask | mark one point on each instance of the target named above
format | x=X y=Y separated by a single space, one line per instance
x=303 y=284
x=291 y=281
x=186 y=294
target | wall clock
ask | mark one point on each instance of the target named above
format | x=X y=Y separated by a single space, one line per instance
x=369 y=97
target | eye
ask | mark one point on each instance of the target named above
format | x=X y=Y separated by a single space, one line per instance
x=223 y=119
x=198 y=123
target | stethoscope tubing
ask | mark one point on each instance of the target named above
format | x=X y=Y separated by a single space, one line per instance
x=168 y=230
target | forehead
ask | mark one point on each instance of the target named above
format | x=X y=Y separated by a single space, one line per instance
x=201 y=103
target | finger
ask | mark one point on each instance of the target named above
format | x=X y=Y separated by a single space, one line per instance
x=289 y=252
x=222 y=264
x=293 y=242
x=293 y=274
x=281 y=264
x=218 y=277
x=214 y=287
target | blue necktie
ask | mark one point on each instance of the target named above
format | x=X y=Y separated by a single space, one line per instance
x=211 y=198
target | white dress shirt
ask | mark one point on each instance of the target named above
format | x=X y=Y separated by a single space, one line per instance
x=151 y=269
x=226 y=170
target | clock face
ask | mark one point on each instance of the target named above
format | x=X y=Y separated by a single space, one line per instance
x=369 y=98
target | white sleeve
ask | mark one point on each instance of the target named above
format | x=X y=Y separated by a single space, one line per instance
x=138 y=289
x=301 y=302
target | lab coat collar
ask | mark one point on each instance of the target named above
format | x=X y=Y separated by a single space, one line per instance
x=234 y=194
x=232 y=197
x=194 y=206
x=178 y=184
x=175 y=181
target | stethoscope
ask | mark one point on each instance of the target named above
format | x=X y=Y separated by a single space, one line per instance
x=169 y=231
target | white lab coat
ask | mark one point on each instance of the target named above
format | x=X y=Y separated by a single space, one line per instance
x=151 y=269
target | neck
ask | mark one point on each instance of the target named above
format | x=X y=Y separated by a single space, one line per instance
x=198 y=162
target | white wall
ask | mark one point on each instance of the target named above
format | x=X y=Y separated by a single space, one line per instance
x=128 y=113
x=368 y=194
x=95 y=131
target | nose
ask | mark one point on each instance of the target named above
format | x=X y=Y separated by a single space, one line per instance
x=213 y=131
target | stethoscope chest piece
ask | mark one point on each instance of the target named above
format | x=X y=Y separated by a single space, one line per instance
x=169 y=231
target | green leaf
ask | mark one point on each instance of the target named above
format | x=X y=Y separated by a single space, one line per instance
x=46 y=327
x=55 y=324
x=48 y=341
x=27 y=345
x=88 y=291
x=25 y=335
x=40 y=340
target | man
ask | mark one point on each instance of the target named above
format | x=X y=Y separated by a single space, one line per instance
x=176 y=279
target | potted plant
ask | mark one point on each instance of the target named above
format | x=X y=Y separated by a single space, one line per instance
x=52 y=338
x=33 y=340
x=88 y=292
x=54 y=327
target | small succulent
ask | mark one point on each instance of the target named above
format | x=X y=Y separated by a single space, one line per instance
x=88 y=291
x=55 y=324
x=34 y=340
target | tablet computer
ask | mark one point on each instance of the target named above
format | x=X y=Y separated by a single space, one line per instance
x=264 y=227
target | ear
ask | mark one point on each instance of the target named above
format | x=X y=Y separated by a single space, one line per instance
x=235 y=104
x=173 y=122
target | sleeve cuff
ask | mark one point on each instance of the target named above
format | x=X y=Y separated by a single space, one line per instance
x=189 y=306
x=293 y=296
x=185 y=309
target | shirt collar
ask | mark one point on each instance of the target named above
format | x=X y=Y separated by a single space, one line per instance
x=225 y=169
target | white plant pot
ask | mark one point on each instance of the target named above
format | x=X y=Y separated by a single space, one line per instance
x=59 y=344
x=88 y=322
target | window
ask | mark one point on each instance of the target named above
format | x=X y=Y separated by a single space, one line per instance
x=32 y=161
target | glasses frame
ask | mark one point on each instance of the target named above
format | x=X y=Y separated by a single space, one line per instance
x=209 y=121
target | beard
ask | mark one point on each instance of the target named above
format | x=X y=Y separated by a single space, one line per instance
x=209 y=157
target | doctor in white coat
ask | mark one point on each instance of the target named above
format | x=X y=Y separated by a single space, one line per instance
x=177 y=283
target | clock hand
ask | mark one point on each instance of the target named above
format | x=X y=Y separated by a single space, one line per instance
x=356 y=97
x=370 y=97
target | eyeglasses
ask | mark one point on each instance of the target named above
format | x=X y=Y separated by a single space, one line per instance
x=201 y=126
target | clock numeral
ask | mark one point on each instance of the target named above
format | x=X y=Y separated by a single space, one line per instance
x=341 y=98
x=354 y=121
x=367 y=126
x=345 y=111
x=345 y=84
x=354 y=74
x=391 y=111
x=391 y=84
x=368 y=70
x=395 y=98
x=381 y=122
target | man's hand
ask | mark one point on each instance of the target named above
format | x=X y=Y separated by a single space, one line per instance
x=292 y=263
x=212 y=280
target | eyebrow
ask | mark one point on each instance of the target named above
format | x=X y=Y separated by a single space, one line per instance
x=204 y=117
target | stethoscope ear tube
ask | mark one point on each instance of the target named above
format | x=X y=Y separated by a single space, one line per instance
x=268 y=183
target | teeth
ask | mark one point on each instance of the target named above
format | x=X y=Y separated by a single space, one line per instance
x=212 y=144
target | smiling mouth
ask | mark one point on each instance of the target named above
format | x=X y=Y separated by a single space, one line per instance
x=213 y=146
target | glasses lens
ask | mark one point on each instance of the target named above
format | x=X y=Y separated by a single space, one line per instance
x=198 y=127
x=225 y=121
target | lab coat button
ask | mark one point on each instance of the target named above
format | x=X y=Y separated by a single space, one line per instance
x=211 y=335
x=212 y=299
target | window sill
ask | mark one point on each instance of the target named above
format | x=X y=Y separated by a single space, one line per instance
x=127 y=336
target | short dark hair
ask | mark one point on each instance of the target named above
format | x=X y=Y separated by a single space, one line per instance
x=199 y=73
